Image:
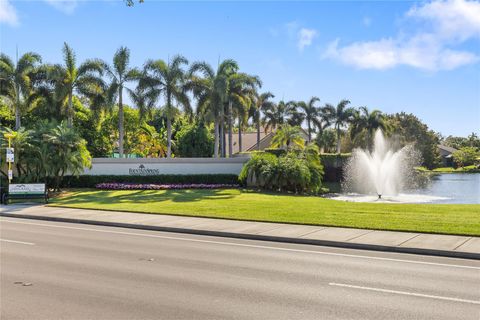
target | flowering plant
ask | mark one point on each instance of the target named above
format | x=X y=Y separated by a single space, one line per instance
x=154 y=186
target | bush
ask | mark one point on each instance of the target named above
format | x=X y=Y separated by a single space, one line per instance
x=194 y=141
x=465 y=156
x=276 y=152
x=297 y=171
x=92 y=181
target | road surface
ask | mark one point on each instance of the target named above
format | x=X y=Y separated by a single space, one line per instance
x=54 y=270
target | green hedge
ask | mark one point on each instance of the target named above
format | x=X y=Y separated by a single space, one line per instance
x=91 y=181
x=333 y=164
x=334 y=160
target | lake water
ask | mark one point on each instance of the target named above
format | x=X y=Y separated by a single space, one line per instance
x=454 y=188
x=442 y=188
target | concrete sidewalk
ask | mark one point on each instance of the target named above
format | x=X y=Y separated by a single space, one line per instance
x=407 y=242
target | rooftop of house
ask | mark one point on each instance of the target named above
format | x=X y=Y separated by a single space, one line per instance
x=446 y=148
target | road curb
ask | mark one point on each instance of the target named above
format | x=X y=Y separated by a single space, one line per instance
x=327 y=243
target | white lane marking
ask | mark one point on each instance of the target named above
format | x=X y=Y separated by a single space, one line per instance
x=405 y=293
x=19 y=242
x=251 y=245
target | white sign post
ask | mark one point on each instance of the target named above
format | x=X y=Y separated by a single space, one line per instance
x=10 y=174
x=10 y=155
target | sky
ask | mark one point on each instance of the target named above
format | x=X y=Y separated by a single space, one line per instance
x=420 y=57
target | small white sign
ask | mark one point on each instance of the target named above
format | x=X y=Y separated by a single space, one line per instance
x=10 y=174
x=10 y=155
x=20 y=188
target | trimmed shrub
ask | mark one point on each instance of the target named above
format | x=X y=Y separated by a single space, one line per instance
x=299 y=171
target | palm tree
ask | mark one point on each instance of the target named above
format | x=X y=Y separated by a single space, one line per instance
x=120 y=73
x=277 y=115
x=240 y=90
x=84 y=79
x=368 y=122
x=168 y=80
x=261 y=104
x=15 y=81
x=311 y=114
x=339 y=116
x=144 y=100
x=70 y=150
x=288 y=135
x=211 y=90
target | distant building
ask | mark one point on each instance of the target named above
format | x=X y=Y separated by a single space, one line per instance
x=446 y=155
x=249 y=140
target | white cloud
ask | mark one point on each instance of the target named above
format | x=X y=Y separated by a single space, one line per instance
x=458 y=19
x=419 y=52
x=305 y=37
x=432 y=48
x=8 y=14
x=65 y=6
x=301 y=36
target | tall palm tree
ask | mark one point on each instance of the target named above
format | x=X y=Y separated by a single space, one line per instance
x=144 y=100
x=240 y=90
x=288 y=135
x=368 y=122
x=15 y=81
x=340 y=116
x=211 y=90
x=277 y=115
x=84 y=79
x=168 y=80
x=311 y=114
x=262 y=103
x=120 y=73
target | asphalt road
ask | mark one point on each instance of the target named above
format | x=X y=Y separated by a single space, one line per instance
x=72 y=271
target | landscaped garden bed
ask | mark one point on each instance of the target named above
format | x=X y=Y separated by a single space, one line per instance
x=154 y=186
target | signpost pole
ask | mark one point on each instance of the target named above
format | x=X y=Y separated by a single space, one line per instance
x=9 y=136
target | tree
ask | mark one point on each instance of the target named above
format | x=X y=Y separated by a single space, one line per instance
x=466 y=156
x=144 y=100
x=340 y=116
x=326 y=140
x=241 y=87
x=15 y=81
x=409 y=129
x=120 y=73
x=261 y=104
x=84 y=79
x=49 y=151
x=311 y=115
x=69 y=150
x=278 y=114
x=168 y=80
x=195 y=141
x=287 y=135
x=364 y=124
x=211 y=91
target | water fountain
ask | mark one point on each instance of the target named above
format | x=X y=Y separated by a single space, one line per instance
x=382 y=174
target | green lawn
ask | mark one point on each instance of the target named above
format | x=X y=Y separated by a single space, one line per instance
x=250 y=205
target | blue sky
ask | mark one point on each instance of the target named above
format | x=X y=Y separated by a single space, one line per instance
x=419 y=57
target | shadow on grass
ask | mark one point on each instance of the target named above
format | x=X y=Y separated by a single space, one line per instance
x=144 y=196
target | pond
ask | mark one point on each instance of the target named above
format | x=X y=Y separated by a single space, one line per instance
x=454 y=188
x=459 y=188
